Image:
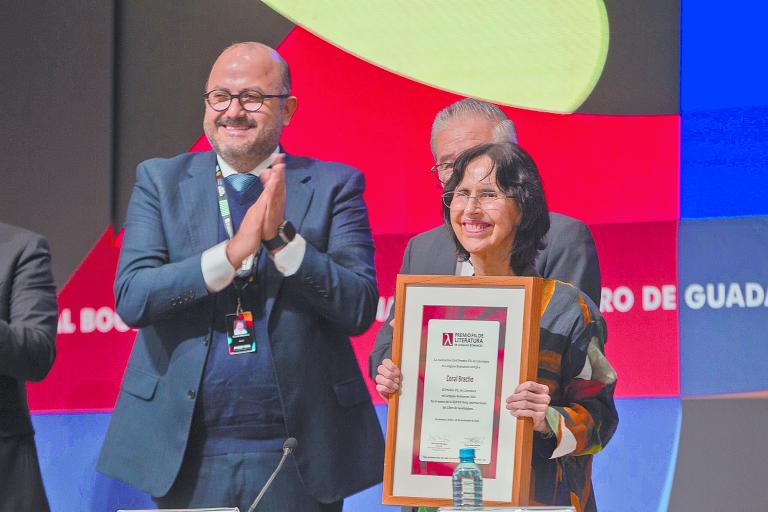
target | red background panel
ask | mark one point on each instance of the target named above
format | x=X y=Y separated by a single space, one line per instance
x=642 y=345
x=89 y=365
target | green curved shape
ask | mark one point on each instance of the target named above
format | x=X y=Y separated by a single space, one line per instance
x=536 y=54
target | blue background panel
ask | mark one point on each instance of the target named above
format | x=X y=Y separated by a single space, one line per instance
x=724 y=108
x=723 y=54
x=634 y=472
x=723 y=338
x=631 y=474
x=724 y=163
x=68 y=446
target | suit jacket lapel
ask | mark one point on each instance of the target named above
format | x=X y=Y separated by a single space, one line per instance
x=298 y=192
x=198 y=195
x=298 y=196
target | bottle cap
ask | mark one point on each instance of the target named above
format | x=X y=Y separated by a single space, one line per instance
x=467 y=453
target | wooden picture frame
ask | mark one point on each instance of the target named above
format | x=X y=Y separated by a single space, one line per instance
x=417 y=463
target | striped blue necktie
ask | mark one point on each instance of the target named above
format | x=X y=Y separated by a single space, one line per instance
x=241 y=181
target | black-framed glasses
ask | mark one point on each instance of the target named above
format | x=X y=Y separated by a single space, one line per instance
x=488 y=200
x=251 y=101
x=442 y=171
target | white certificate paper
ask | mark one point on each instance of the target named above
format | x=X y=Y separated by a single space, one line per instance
x=414 y=432
x=459 y=389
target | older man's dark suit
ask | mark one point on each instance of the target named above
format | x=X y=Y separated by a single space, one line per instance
x=172 y=219
x=569 y=256
x=28 y=315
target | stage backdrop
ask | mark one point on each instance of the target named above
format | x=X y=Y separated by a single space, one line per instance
x=596 y=91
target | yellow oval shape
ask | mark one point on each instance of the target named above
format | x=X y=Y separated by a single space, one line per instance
x=535 y=54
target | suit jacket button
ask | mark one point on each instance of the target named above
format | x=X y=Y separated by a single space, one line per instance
x=191 y=394
x=206 y=340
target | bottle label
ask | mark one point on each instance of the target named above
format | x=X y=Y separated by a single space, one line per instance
x=468 y=488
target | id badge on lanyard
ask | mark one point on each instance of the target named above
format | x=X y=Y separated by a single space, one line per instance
x=241 y=336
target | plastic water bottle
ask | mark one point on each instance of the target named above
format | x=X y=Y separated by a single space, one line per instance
x=467 y=482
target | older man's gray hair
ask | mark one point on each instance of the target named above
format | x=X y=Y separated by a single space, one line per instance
x=503 y=131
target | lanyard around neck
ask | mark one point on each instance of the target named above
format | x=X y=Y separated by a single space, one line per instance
x=226 y=217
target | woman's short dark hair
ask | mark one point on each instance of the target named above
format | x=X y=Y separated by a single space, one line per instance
x=516 y=176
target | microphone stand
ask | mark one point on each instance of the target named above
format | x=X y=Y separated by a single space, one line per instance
x=288 y=447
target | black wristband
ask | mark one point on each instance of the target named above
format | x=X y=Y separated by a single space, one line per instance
x=285 y=234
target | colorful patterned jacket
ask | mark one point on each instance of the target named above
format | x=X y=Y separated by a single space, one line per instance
x=581 y=382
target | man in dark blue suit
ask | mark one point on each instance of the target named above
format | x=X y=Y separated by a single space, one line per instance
x=246 y=271
x=28 y=315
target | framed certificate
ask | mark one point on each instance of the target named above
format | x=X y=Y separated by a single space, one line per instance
x=463 y=344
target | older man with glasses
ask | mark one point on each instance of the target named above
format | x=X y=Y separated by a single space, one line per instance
x=569 y=254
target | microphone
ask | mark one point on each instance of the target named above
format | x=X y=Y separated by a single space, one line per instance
x=289 y=445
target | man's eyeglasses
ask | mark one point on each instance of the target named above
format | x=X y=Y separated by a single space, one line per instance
x=442 y=171
x=251 y=101
x=486 y=200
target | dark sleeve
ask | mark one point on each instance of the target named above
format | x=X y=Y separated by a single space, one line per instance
x=571 y=256
x=382 y=348
x=341 y=282
x=148 y=286
x=28 y=340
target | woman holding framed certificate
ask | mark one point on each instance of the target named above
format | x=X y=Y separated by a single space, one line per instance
x=494 y=202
